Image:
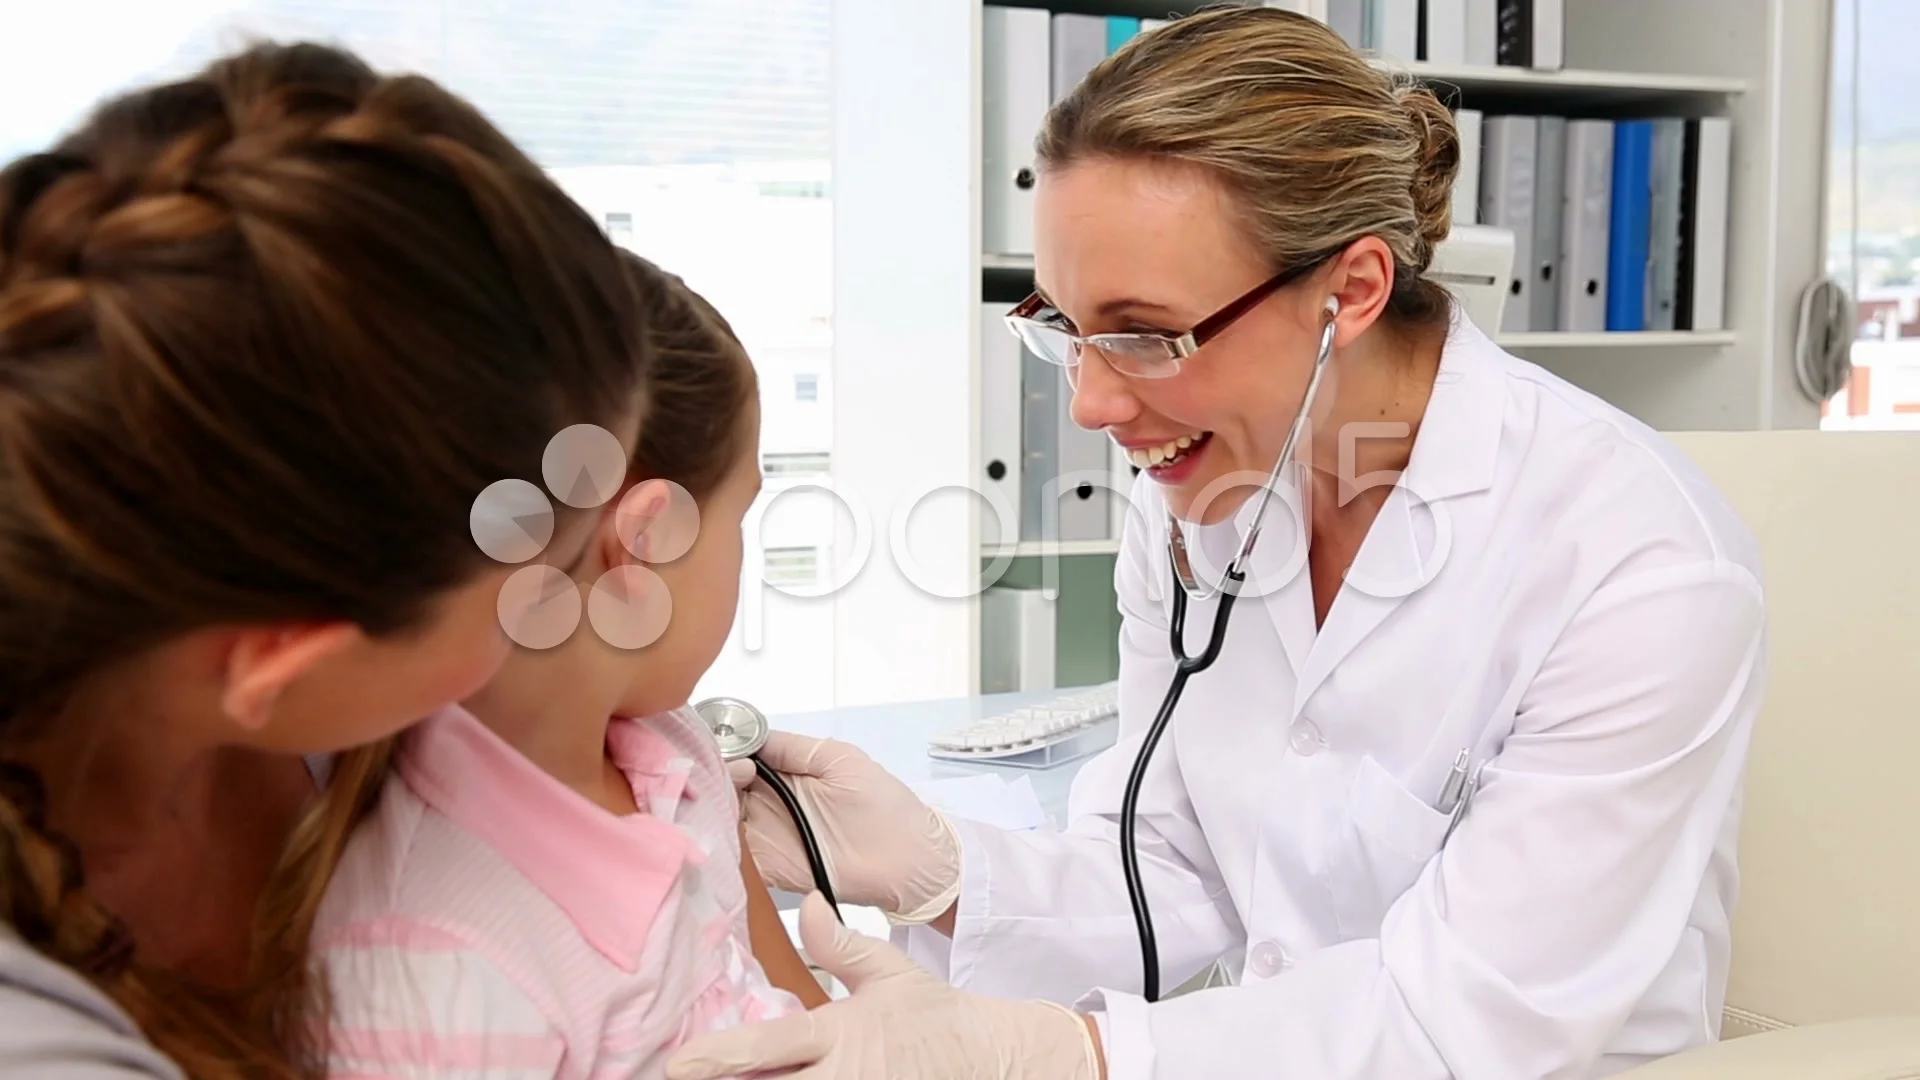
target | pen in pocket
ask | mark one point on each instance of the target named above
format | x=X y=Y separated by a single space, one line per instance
x=1456 y=785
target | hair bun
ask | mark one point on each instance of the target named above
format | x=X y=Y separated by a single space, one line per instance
x=1438 y=164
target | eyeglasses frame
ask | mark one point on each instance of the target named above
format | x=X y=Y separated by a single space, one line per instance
x=1181 y=345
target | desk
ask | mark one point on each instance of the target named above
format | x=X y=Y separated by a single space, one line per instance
x=896 y=734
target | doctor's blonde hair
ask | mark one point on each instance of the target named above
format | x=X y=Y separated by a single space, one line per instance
x=1316 y=147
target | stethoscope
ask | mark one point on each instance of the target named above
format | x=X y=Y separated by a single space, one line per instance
x=1187 y=666
x=741 y=730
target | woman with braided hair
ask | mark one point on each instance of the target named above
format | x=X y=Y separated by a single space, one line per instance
x=265 y=336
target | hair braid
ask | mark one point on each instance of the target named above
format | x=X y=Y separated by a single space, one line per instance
x=281 y=323
x=40 y=883
x=71 y=232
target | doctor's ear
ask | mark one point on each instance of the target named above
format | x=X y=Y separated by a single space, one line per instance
x=1360 y=283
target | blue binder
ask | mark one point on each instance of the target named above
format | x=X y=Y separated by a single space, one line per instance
x=1630 y=229
x=1120 y=30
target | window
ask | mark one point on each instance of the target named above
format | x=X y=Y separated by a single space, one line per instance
x=806 y=388
x=792 y=566
x=620 y=229
x=1873 y=210
x=787 y=465
x=707 y=122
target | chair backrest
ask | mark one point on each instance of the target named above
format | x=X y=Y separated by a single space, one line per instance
x=1827 y=924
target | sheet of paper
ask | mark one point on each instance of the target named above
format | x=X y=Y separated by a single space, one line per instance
x=986 y=798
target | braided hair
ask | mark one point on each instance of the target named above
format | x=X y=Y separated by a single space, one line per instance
x=265 y=334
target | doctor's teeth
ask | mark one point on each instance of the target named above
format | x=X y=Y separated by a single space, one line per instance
x=1167 y=452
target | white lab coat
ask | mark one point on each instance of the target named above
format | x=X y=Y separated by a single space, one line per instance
x=1590 y=629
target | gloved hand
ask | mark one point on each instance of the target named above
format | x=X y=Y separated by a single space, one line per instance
x=899 y=1022
x=883 y=847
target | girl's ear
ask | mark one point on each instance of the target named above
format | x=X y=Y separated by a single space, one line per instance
x=264 y=661
x=640 y=509
x=657 y=521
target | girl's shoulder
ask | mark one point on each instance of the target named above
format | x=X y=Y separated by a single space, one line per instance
x=674 y=762
x=675 y=740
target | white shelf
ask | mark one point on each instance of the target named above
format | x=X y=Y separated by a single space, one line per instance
x=1059 y=548
x=1650 y=339
x=1760 y=63
x=1571 y=85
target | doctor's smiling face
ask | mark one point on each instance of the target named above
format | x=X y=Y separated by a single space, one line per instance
x=1225 y=176
x=1137 y=246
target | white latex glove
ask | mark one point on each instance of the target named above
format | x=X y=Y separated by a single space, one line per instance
x=900 y=1022
x=883 y=847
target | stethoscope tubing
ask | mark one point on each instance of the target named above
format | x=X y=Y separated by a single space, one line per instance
x=1186 y=666
x=816 y=862
x=740 y=731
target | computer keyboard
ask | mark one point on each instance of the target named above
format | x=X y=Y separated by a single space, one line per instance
x=1080 y=721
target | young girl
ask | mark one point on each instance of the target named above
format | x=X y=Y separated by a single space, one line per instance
x=265 y=334
x=551 y=884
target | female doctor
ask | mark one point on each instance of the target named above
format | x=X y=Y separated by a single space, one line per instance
x=1479 y=572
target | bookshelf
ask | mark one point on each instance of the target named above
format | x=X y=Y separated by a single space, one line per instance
x=1030 y=549
x=1642 y=339
x=1019 y=269
x=1016 y=264
x=911 y=270
x=1571 y=89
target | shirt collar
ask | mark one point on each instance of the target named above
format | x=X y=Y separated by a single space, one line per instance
x=1457 y=451
x=610 y=874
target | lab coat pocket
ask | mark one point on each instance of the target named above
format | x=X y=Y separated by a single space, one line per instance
x=1391 y=836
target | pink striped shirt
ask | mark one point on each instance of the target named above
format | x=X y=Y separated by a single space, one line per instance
x=490 y=923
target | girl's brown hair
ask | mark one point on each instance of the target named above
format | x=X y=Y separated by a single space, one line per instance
x=700 y=381
x=265 y=334
x=1317 y=148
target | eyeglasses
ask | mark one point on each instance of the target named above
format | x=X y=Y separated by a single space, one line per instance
x=1146 y=355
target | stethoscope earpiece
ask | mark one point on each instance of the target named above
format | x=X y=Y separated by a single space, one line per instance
x=1185 y=666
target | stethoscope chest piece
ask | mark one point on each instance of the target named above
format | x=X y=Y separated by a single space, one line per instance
x=739 y=728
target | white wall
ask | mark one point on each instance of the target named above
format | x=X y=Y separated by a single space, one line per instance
x=906 y=239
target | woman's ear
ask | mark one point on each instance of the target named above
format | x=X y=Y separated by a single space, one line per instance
x=1362 y=283
x=263 y=662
